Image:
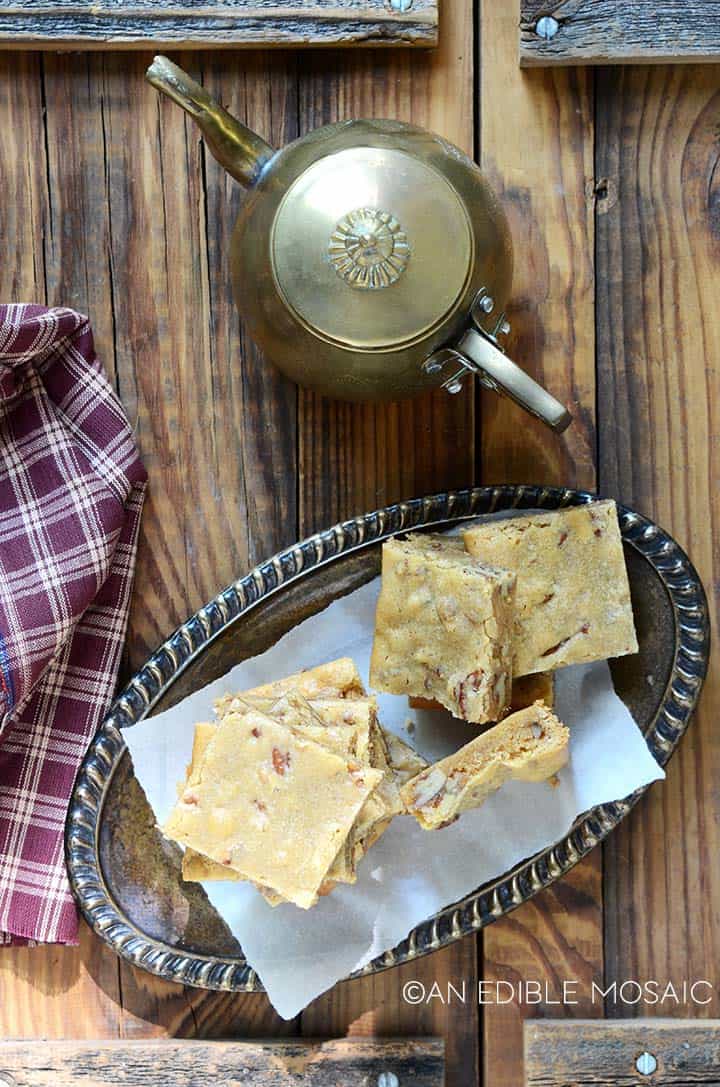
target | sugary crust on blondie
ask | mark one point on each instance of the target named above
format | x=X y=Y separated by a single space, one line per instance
x=572 y=597
x=443 y=629
x=271 y=805
x=341 y=725
x=380 y=758
x=530 y=745
x=382 y=805
x=337 y=679
x=196 y=867
x=204 y=732
x=435 y=541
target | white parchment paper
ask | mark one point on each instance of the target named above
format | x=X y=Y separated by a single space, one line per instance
x=410 y=873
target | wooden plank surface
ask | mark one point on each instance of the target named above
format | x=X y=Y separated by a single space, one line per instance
x=117 y=209
x=658 y=263
x=619 y=32
x=60 y=992
x=119 y=214
x=86 y=24
x=294 y=1063
x=51 y=991
x=357 y=457
x=138 y=235
x=216 y=425
x=675 y=1054
x=542 y=166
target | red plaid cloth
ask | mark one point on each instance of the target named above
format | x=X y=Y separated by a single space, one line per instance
x=71 y=493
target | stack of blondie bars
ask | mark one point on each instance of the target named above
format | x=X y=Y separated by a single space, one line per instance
x=290 y=786
x=296 y=780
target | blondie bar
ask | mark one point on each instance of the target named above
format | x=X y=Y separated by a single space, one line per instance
x=572 y=597
x=271 y=805
x=348 y=728
x=443 y=629
x=530 y=745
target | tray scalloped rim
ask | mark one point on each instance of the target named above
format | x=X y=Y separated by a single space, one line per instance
x=483 y=906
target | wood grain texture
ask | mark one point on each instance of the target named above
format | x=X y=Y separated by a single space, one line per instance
x=60 y=992
x=621 y=32
x=354 y=458
x=116 y=208
x=216 y=426
x=605 y=1054
x=85 y=24
x=26 y=214
x=658 y=260
x=377 y=1006
x=295 y=1063
x=50 y=991
x=118 y=213
x=537 y=151
x=541 y=165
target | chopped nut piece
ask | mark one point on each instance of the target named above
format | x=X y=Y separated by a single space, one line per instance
x=405 y=761
x=428 y=787
x=280 y=762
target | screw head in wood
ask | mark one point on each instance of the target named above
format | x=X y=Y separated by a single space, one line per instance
x=454 y=387
x=388 y=1079
x=401 y=5
x=487 y=303
x=646 y=1064
x=547 y=27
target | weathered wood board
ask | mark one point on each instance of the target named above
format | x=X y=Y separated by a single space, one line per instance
x=203 y=1064
x=657 y=158
x=540 y=165
x=664 y=1053
x=619 y=32
x=357 y=456
x=84 y=24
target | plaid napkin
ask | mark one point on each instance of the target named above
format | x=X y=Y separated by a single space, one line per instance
x=71 y=493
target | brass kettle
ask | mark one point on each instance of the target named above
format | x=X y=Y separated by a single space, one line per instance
x=370 y=259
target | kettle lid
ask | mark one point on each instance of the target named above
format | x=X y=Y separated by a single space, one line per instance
x=371 y=248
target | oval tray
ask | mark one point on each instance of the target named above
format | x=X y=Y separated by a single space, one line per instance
x=126 y=877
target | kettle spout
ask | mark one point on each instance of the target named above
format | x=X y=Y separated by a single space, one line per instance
x=240 y=151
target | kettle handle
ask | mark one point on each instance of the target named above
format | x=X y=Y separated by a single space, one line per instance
x=240 y=151
x=477 y=353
